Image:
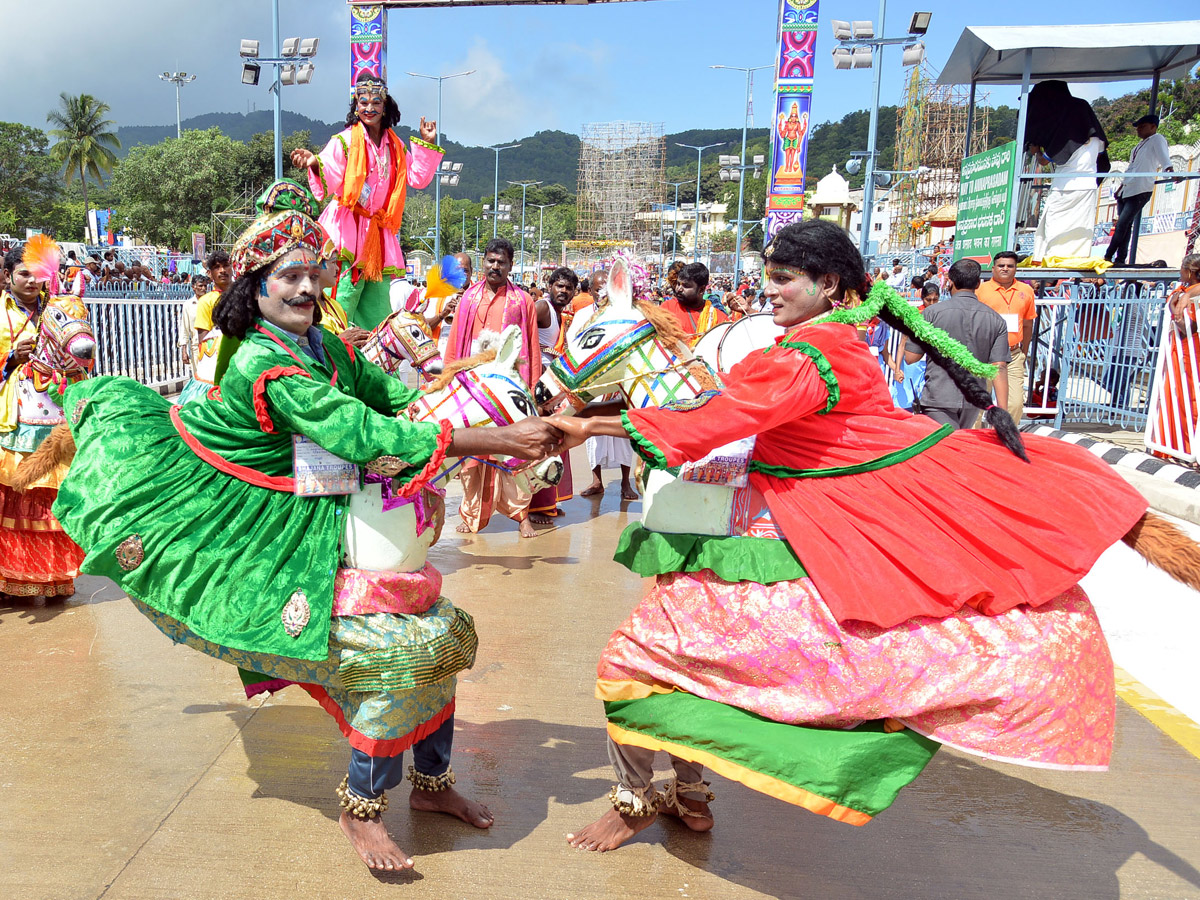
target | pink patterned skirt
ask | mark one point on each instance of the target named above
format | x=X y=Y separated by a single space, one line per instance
x=1030 y=686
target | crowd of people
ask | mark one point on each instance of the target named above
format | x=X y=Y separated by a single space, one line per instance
x=824 y=621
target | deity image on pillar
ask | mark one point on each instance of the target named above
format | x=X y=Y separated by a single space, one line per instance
x=791 y=130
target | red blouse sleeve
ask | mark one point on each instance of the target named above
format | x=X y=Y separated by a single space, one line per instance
x=762 y=392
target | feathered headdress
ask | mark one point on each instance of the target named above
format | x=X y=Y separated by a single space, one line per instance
x=41 y=256
x=446 y=278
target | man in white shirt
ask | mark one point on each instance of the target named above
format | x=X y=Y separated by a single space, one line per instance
x=1150 y=155
x=897 y=279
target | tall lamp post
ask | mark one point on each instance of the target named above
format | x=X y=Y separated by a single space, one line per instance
x=525 y=186
x=674 y=228
x=286 y=71
x=496 y=192
x=178 y=79
x=856 y=49
x=737 y=250
x=443 y=174
x=541 y=208
x=699 y=156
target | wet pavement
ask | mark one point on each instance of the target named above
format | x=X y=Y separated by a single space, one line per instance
x=133 y=768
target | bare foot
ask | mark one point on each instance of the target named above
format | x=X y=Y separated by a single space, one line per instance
x=462 y=528
x=627 y=491
x=540 y=519
x=596 y=489
x=452 y=803
x=609 y=832
x=702 y=822
x=370 y=840
x=525 y=527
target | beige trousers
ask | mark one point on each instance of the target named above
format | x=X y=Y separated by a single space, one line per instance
x=1016 y=385
x=486 y=491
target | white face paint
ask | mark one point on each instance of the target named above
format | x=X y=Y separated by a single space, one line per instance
x=288 y=296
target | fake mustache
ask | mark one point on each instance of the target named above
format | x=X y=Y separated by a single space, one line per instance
x=300 y=299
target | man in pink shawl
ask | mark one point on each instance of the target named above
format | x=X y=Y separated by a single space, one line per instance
x=366 y=171
x=492 y=305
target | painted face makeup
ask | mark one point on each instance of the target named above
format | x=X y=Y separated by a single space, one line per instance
x=288 y=295
x=794 y=296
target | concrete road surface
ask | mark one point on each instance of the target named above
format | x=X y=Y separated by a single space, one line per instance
x=132 y=768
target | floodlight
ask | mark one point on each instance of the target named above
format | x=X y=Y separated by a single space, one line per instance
x=759 y=159
x=250 y=73
x=841 y=29
x=291 y=46
x=724 y=174
x=863 y=30
x=304 y=73
x=725 y=160
x=458 y=167
x=735 y=174
x=841 y=58
x=913 y=54
x=882 y=179
x=919 y=23
x=308 y=46
x=165 y=76
x=861 y=57
x=853 y=166
x=487 y=207
x=249 y=49
x=287 y=74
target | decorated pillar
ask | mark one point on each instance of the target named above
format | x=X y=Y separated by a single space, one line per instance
x=368 y=40
x=790 y=122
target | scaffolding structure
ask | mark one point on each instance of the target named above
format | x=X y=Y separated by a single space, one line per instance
x=622 y=166
x=931 y=132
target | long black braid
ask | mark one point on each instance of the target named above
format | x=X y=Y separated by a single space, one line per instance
x=819 y=248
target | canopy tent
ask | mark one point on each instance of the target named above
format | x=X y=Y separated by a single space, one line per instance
x=1023 y=54
x=1142 y=50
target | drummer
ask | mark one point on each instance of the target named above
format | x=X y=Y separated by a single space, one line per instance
x=696 y=315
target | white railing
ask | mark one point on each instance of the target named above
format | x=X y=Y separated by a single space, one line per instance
x=1171 y=426
x=138 y=338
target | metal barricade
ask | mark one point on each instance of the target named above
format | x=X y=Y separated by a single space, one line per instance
x=1173 y=420
x=1094 y=354
x=138 y=338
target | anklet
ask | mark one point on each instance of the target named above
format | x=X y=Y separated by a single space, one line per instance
x=638 y=803
x=364 y=808
x=431 y=783
x=672 y=798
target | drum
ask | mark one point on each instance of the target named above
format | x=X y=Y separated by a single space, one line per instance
x=383 y=541
x=743 y=337
x=708 y=347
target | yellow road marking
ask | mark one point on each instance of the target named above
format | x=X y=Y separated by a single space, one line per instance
x=1177 y=726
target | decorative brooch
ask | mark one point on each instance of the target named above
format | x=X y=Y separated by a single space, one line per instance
x=295 y=614
x=130 y=553
x=388 y=466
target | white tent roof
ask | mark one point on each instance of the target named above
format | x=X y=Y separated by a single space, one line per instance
x=1135 y=51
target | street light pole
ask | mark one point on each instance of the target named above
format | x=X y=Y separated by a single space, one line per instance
x=541 y=207
x=276 y=89
x=437 y=182
x=525 y=185
x=496 y=192
x=699 y=156
x=675 y=227
x=737 y=250
x=178 y=79
x=869 y=184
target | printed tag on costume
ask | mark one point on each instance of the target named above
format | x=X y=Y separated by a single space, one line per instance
x=725 y=465
x=319 y=473
x=1011 y=320
x=364 y=195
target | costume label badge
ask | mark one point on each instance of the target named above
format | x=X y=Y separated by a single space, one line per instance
x=319 y=473
x=727 y=465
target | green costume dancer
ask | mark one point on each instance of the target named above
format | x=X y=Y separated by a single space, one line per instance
x=199 y=514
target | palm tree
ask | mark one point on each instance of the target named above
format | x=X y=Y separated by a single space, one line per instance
x=85 y=143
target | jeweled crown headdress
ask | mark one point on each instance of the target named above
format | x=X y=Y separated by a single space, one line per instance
x=286 y=222
x=369 y=88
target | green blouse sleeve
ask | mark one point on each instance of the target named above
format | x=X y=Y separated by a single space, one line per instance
x=345 y=426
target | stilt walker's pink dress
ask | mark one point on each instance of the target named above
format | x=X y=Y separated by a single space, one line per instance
x=916 y=572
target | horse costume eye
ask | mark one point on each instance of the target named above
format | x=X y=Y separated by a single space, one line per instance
x=541 y=394
x=591 y=338
x=416 y=333
x=521 y=402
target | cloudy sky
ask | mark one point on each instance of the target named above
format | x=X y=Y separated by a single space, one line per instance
x=536 y=67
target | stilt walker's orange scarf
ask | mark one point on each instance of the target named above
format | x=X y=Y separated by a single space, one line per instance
x=370 y=254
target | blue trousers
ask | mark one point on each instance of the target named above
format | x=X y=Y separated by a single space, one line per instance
x=1127 y=210
x=370 y=776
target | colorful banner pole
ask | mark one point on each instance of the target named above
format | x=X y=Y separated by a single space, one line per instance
x=790 y=119
x=368 y=41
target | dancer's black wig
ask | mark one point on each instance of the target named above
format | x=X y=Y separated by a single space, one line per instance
x=821 y=248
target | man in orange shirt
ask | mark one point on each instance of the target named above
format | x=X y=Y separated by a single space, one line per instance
x=1015 y=302
x=695 y=314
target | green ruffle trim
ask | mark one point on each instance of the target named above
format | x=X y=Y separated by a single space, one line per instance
x=644 y=447
x=434 y=147
x=824 y=369
x=762 y=560
x=871 y=465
